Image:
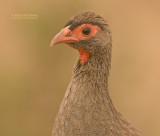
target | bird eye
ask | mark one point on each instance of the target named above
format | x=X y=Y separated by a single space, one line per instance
x=86 y=31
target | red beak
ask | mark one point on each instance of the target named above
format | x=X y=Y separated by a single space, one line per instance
x=64 y=36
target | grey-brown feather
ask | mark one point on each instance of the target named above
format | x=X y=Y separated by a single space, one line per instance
x=86 y=109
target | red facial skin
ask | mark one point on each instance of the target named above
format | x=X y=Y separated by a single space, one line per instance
x=68 y=36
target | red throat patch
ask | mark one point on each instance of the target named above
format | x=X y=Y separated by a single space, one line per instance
x=84 y=55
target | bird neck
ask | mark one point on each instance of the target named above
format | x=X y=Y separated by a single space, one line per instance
x=95 y=71
x=90 y=81
x=92 y=77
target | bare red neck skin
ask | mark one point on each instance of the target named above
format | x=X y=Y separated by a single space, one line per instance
x=84 y=55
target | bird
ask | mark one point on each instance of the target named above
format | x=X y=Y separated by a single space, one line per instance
x=87 y=108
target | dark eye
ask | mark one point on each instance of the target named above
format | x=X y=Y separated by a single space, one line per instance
x=86 y=31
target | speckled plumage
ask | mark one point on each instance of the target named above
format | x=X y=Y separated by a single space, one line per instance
x=86 y=109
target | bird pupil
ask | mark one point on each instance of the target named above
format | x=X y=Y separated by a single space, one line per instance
x=86 y=31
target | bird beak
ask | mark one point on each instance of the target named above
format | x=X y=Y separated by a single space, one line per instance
x=64 y=36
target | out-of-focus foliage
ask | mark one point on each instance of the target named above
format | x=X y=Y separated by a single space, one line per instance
x=34 y=77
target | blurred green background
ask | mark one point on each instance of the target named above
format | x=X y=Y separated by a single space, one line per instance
x=34 y=77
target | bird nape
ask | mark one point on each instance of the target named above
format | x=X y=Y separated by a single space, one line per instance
x=87 y=109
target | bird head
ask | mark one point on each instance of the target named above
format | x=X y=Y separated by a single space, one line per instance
x=86 y=32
